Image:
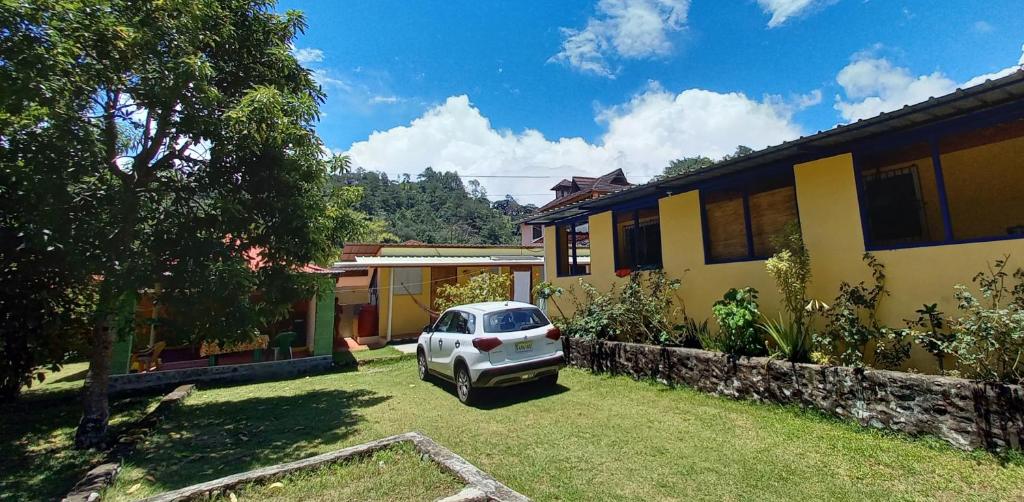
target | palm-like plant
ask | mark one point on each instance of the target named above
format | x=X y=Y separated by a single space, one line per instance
x=792 y=341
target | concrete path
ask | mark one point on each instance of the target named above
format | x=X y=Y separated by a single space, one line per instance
x=405 y=348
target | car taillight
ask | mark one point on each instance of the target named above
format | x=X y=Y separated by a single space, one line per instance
x=486 y=344
x=554 y=333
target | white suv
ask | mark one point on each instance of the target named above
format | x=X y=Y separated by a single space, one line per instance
x=490 y=345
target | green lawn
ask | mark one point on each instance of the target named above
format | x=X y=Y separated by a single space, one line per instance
x=593 y=438
x=37 y=461
x=386 y=352
x=396 y=473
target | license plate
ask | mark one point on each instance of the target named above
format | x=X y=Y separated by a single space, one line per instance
x=524 y=346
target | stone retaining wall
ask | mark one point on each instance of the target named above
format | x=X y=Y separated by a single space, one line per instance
x=966 y=413
x=271 y=370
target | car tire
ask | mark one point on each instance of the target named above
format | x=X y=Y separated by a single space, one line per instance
x=421 y=363
x=464 y=385
x=549 y=380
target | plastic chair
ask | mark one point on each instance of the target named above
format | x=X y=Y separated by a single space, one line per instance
x=148 y=359
x=283 y=343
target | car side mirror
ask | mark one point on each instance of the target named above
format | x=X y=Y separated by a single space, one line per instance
x=429 y=328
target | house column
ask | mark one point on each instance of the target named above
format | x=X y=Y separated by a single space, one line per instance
x=310 y=323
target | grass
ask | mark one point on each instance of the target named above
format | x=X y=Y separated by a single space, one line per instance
x=37 y=461
x=347 y=358
x=396 y=473
x=591 y=438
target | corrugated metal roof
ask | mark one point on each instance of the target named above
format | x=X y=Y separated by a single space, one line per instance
x=1008 y=90
x=364 y=262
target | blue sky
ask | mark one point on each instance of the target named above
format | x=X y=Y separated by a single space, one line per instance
x=551 y=89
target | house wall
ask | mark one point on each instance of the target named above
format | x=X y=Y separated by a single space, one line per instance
x=831 y=223
x=408 y=317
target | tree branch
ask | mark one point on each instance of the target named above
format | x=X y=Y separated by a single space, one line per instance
x=110 y=135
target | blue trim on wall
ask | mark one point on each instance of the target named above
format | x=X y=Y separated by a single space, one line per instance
x=940 y=185
x=976 y=121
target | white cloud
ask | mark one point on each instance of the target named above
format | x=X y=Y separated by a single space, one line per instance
x=308 y=55
x=873 y=85
x=782 y=10
x=982 y=27
x=642 y=136
x=626 y=29
x=384 y=100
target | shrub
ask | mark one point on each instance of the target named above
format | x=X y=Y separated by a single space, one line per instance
x=646 y=308
x=484 y=287
x=852 y=323
x=989 y=332
x=641 y=312
x=593 y=314
x=547 y=291
x=790 y=341
x=934 y=338
x=790 y=266
x=737 y=316
x=696 y=335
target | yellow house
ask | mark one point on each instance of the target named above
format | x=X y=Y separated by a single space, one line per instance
x=935 y=191
x=387 y=292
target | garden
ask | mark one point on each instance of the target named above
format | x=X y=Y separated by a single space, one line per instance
x=594 y=437
x=982 y=340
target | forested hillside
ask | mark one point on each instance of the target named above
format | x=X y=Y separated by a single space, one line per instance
x=437 y=207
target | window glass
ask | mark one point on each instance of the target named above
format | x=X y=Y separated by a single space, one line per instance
x=408 y=280
x=770 y=211
x=624 y=233
x=570 y=240
x=538 y=232
x=462 y=323
x=900 y=196
x=983 y=172
x=648 y=241
x=510 y=320
x=444 y=322
x=770 y=200
x=562 y=250
x=637 y=247
x=726 y=226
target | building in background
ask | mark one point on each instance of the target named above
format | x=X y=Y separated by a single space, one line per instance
x=387 y=292
x=569 y=191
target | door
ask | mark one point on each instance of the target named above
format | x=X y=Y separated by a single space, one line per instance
x=435 y=346
x=521 y=286
x=454 y=329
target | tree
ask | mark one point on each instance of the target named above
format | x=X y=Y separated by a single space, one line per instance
x=741 y=150
x=186 y=132
x=437 y=208
x=686 y=165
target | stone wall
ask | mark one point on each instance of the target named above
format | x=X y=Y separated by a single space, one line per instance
x=271 y=370
x=966 y=413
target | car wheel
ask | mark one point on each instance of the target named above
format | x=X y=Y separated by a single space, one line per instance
x=549 y=380
x=421 y=360
x=463 y=385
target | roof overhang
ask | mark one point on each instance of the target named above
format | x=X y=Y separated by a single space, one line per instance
x=1005 y=94
x=366 y=262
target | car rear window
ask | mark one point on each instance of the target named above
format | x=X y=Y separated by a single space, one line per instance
x=520 y=319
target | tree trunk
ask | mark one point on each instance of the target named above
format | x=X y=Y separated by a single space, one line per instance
x=92 y=428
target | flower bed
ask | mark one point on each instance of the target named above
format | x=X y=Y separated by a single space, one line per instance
x=966 y=413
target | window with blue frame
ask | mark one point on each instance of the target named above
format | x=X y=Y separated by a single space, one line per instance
x=572 y=246
x=963 y=186
x=742 y=217
x=637 y=239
